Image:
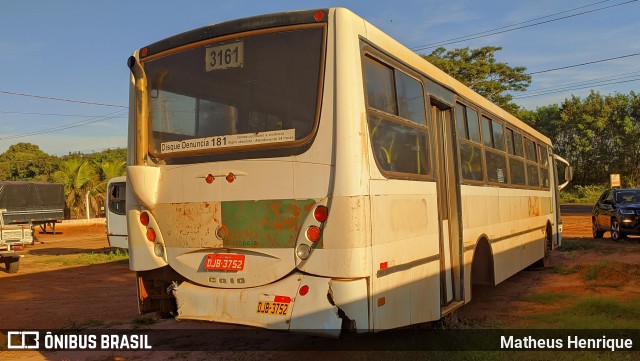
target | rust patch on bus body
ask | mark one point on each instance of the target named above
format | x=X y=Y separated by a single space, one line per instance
x=189 y=225
x=534 y=207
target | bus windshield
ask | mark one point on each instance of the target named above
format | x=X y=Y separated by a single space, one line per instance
x=256 y=91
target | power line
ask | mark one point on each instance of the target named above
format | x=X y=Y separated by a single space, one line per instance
x=587 y=63
x=49 y=114
x=552 y=91
x=61 y=99
x=114 y=115
x=514 y=27
x=572 y=85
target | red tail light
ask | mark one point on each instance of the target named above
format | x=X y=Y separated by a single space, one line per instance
x=303 y=290
x=151 y=235
x=144 y=218
x=209 y=178
x=313 y=233
x=230 y=177
x=319 y=15
x=321 y=213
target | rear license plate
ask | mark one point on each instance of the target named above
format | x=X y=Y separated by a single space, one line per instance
x=224 y=262
x=273 y=308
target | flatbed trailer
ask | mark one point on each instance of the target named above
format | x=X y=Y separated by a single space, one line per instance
x=33 y=203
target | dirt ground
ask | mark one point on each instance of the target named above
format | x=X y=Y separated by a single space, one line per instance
x=513 y=312
x=74 y=294
x=52 y=295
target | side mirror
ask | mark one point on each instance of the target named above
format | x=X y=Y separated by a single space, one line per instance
x=568 y=173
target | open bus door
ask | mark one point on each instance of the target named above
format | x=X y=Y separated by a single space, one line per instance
x=116 y=213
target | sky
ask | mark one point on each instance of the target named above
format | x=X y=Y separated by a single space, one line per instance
x=53 y=52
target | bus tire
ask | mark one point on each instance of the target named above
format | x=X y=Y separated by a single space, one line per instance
x=548 y=247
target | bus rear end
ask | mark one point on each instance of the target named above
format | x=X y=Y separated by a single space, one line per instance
x=231 y=174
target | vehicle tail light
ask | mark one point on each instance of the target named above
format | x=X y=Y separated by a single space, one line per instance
x=319 y=15
x=17 y=248
x=151 y=235
x=144 y=218
x=321 y=213
x=230 y=177
x=209 y=178
x=303 y=290
x=313 y=234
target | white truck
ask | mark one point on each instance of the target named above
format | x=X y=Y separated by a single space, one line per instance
x=12 y=241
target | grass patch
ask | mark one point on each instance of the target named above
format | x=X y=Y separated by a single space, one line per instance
x=593 y=272
x=546 y=298
x=117 y=255
x=84 y=259
x=143 y=321
x=593 y=313
x=573 y=245
x=83 y=325
x=564 y=271
x=610 y=274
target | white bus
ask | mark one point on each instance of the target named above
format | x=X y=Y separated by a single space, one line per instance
x=116 y=214
x=305 y=171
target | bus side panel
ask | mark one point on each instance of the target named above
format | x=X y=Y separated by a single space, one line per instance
x=406 y=280
x=514 y=225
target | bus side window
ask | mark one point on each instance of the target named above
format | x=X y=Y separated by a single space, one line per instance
x=397 y=120
x=470 y=150
x=471 y=162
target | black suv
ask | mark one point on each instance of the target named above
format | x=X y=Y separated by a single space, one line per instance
x=617 y=211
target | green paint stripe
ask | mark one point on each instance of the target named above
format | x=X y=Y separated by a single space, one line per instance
x=264 y=224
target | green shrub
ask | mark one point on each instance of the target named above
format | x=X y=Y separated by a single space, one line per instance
x=582 y=194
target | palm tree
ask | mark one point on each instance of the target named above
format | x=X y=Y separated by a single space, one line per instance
x=80 y=181
x=107 y=170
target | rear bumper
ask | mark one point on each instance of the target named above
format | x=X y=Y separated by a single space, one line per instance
x=281 y=305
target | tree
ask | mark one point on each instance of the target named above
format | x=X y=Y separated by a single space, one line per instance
x=479 y=70
x=107 y=170
x=80 y=180
x=598 y=135
x=26 y=162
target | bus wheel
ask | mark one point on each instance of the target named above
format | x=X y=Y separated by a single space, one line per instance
x=548 y=247
x=545 y=261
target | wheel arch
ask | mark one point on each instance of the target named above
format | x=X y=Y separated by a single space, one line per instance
x=482 y=264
